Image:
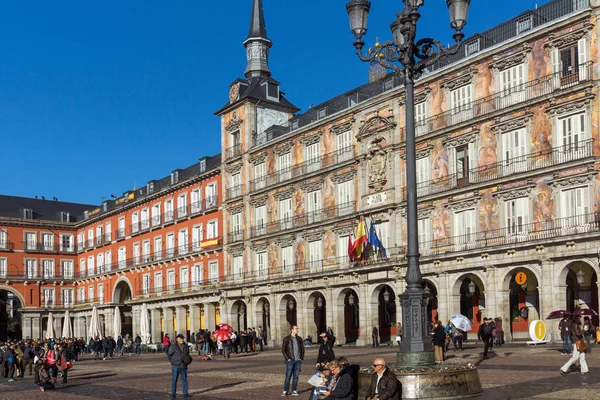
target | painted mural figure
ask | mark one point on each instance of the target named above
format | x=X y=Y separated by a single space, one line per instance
x=541 y=137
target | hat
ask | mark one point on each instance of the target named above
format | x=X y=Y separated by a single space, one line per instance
x=180 y=336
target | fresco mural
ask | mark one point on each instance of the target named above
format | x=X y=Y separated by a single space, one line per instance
x=540 y=64
x=440 y=167
x=541 y=136
x=489 y=219
x=597 y=193
x=594 y=47
x=270 y=161
x=487 y=152
x=299 y=251
x=484 y=84
x=298 y=202
x=595 y=123
x=298 y=155
x=329 y=244
x=437 y=104
x=544 y=209
x=273 y=256
x=272 y=208
x=329 y=194
x=440 y=219
x=328 y=142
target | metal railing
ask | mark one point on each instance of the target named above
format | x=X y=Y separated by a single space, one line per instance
x=512 y=166
x=29 y=276
x=38 y=247
x=7 y=246
x=234 y=192
x=307 y=218
x=120 y=233
x=234 y=151
x=85 y=302
x=235 y=236
x=525 y=92
x=312 y=165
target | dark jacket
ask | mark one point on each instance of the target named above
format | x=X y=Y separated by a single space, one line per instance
x=344 y=387
x=138 y=339
x=326 y=353
x=28 y=353
x=439 y=335
x=389 y=386
x=287 y=347
x=10 y=353
x=176 y=356
x=485 y=331
x=576 y=331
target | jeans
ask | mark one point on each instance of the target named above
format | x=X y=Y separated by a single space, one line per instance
x=576 y=356
x=176 y=373
x=226 y=351
x=138 y=349
x=205 y=348
x=566 y=344
x=291 y=366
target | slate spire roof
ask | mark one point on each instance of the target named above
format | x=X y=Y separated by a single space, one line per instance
x=258 y=29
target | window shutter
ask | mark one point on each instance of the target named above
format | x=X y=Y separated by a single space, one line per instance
x=554 y=56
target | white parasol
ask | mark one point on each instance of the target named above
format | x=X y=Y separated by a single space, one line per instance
x=67 y=331
x=50 y=327
x=144 y=324
x=95 y=324
x=117 y=323
x=461 y=322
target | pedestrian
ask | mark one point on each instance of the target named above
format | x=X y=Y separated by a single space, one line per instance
x=50 y=360
x=589 y=333
x=326 y=353
x=166 y=343
x=260 y=337
x=499 y=331
x=28 y=356
x=563 y=327
x=43 y=379
x=179 y=356
x=398 y=333
x=451 y=332
x=344 y=386
x=293 y=354
x=575 y=333
x=485 y=334
x=10 y=357
x=375 y=335
x=384 y=383
x=138 y=345
x=330 y=335
x=97 y=348
x=253 y=339
x=63 y=361
x=234 y=342
x=439 y=339
x=243 y=341
x=120 y=346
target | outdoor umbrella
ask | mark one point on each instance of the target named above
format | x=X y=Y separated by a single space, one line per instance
x=461 y=322
x=117 y=323
x=557 y=314
x=225 y=327
x=67 y=331
x=50 y=327
x=222 y=334
x=144 y=324
x=585 y=311
x=94 y=324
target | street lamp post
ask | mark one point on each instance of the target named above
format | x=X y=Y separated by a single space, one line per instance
x=413 y=56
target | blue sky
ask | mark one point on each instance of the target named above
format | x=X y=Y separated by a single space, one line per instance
x=98 y=96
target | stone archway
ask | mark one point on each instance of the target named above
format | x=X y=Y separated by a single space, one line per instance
x=122 y=291
x=239 y=312
x=347 y=305
x=288 y=314
x=432 y=306
x=11 y=302
x=383 y=308
x=262 y=317
x=521 y=304
x=316 y=311
x=580 y=281
x=469 y=298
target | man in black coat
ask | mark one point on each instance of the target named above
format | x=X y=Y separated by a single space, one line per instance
x=439 y=340
x=484 y=334
x=326 y=353
x=384 y=383
x=28 y=356
x=179 y=356
x=292 y=349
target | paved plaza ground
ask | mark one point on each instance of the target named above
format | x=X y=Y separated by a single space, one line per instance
x=515 y=371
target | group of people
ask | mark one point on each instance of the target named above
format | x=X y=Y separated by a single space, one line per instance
x=246 y=341
x=572 y=332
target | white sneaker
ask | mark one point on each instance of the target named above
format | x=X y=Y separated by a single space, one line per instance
x=284 y=394
x=294 y=393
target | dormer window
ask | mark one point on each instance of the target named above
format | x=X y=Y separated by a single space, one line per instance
x=27 y=213
x=295 y=124
x=322 y=113
x=388 y=84
x=65 y=217
x=174 y=177
x=202 y=165
x=150 y=187
x=353 y=100
x=272 y=90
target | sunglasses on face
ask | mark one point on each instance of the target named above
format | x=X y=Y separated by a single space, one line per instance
x=377 y=365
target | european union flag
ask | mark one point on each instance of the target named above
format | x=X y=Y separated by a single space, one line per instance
x=374 y=241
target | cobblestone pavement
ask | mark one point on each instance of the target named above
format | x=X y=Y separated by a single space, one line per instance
x=515 y=371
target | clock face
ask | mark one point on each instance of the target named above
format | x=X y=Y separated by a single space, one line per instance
x=234 y=93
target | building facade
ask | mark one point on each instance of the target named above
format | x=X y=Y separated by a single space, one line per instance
x=508 y=187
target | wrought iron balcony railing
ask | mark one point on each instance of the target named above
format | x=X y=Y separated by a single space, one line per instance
x=303 y=219
x=512 y=166
x=234 y=151
x=314 y=164
x=235 y=236
x=88 y=302
x=234 y=192
x=37 y=247
x=120 y=233
x=6 y=246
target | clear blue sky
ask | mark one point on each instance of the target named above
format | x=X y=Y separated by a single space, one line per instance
x=98 y=96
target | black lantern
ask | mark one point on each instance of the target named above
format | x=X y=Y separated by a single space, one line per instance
x=386 y=296
x=458 y=16
x=472 y=288
x=358 y=12
x=351 y=299
x=320 y=302
x=580 y=277
x=243 y=309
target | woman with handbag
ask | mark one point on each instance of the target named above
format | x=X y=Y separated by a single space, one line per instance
x=576 y=333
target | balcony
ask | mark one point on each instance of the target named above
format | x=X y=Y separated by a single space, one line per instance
x=89 y=302
x=33 y=276
x=313 y=165
x=80 y=246
x=7 y=246
x=36 y=247
x=211 y=202
x=236 y=236
x=234 y=192
x=550 y=229
x=120 y=233
x=234 y=151
x=195 y=207
x=89 y=244
x=510 y=167
x=304 y=219
x=526 y=92
x=100 y=240
x=182 y=212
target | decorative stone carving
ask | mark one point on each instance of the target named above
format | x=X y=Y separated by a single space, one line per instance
x=573 y=180
x=311 y=138
x=425 y=212
x=259 y=200
x=463 y=203
x=311 y=186
x=343 y=177
x=259 y=158
x=460 y=80
x=312 y=236
x=515 y=193
x=422 y=95
x=285 y=242
x=380 y=217
x=284 y=148
x=259 y=246
x=461 y=140
x=569 y=38
x=572 y=105
x=504 y=61
x=343 y=230
x=233 y=168
x=236 y=251
x=284 y=194
x=376 y=124
x=235 y=208
x=512 y=124
x=234 y=124
x=342 y=127
x=422 y=153
x=377 y=166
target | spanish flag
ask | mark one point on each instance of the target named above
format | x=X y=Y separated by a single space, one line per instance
x=361 y=237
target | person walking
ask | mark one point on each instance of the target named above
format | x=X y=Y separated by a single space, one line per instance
x=11 y=357
x=485 y=334
x=589 y=333
x=384 y=383
x=293 y=354
x=575 y=333
x=166 y=342
x=97 y=348
x=563 y=327
x=28 y=357
x=439 y=339
x=179 y=356
x=326 y=353
x=138 y=345
x=399 y=332
x=260 y=337
x=375 y=335
x=120 y=346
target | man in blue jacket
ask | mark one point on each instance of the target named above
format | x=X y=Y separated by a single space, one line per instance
x=179 y=356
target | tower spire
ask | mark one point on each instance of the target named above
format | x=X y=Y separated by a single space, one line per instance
x=257 y=44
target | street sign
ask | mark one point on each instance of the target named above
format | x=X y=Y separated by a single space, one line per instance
x=520 y=278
